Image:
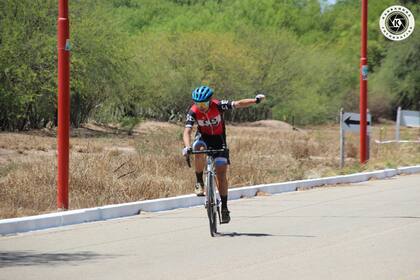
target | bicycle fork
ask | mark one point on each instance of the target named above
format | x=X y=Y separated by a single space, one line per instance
x=211 y=184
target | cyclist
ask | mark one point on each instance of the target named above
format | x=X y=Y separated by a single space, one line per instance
x=207 y=112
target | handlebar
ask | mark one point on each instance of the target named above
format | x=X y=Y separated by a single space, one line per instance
x=207 y=152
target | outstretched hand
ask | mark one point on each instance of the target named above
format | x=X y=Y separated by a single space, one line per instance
x=259 y=98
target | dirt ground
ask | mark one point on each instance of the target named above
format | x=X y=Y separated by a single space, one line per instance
x=109 y=165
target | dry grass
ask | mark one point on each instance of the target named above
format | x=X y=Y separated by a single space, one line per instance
x=108 y=167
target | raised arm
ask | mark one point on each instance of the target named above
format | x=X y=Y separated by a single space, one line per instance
x=243 y=103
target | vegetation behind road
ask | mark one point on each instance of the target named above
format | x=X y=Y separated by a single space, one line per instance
x=139 y=59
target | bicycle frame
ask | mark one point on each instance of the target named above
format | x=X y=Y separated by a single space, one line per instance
x=212 y=201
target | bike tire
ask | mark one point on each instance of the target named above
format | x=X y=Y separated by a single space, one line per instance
x=211 y=208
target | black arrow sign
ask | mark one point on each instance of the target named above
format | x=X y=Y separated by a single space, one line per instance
x=349 y=122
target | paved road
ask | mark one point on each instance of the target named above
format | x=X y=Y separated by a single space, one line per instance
x=363 y=231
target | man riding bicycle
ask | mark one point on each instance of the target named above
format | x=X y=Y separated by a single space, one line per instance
x=207 y=112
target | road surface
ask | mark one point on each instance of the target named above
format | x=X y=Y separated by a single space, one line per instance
x=368 y=230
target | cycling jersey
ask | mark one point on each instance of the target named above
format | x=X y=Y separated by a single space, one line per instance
x=210 y=122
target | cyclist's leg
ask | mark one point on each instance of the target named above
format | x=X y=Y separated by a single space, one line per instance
x=221 y=162
x=200 y=159
x=199 y=163
x=222 y=184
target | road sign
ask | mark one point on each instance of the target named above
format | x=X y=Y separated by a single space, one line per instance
x=351 y=122
x=406 y=118
x=410 y=118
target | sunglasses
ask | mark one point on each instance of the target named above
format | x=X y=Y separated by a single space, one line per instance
x=202 y=105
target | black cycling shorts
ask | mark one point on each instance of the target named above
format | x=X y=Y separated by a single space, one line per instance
x=213 y=142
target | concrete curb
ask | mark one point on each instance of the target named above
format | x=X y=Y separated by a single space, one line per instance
x=24 y=224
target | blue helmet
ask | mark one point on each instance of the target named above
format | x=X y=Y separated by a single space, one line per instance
x=202 y=93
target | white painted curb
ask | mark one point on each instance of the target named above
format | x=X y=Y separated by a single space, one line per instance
x=24 y=224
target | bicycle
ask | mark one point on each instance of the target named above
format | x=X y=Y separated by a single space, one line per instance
x=212 y=202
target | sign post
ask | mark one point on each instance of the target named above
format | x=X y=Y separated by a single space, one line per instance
x=397 y=125
x=342 y=140
x=63 y=46
x=363 y=84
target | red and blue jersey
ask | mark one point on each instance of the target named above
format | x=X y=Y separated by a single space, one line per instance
x=210 y=122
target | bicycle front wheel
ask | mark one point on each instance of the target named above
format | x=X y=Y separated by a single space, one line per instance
x=212 y=207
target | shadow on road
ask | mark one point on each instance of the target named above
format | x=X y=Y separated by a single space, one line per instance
x=27 y=258
x=237 y=234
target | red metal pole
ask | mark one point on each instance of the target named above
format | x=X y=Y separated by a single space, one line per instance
x=363 y=84
x=63 y=38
